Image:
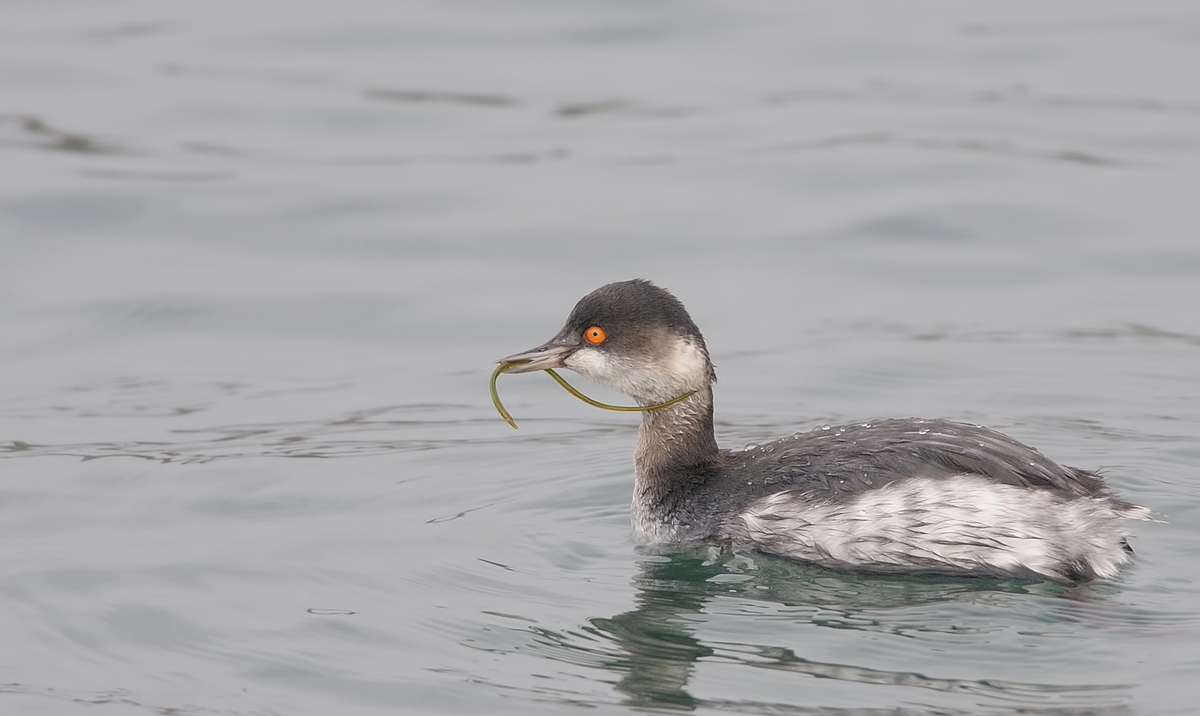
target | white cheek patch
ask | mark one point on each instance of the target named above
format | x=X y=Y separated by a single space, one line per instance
x=591 y=364
x=686 y=361
x=600 y=367
x=675 y=366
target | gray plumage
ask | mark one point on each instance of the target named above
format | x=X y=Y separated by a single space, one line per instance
x=891 y=495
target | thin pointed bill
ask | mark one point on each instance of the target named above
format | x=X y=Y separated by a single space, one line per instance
x=540 y=358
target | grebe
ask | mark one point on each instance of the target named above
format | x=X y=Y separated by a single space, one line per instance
x=897 y=495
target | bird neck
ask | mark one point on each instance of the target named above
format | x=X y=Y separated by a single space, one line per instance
x=675 y=441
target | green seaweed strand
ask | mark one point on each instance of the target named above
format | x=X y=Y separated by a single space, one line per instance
x=504 y=367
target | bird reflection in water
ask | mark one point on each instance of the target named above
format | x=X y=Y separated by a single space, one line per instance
x=659 y=649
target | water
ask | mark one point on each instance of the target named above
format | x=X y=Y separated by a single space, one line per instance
x=257 y=260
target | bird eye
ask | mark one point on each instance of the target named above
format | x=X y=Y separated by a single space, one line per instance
x=594 y=335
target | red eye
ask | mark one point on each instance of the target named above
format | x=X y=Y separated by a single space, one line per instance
x=594 y=335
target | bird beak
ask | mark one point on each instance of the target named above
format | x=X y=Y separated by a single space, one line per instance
x=549 y=355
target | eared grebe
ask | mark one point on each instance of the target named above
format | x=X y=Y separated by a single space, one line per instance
x=899 y=495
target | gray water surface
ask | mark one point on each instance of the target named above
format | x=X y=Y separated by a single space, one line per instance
x=256 y=260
